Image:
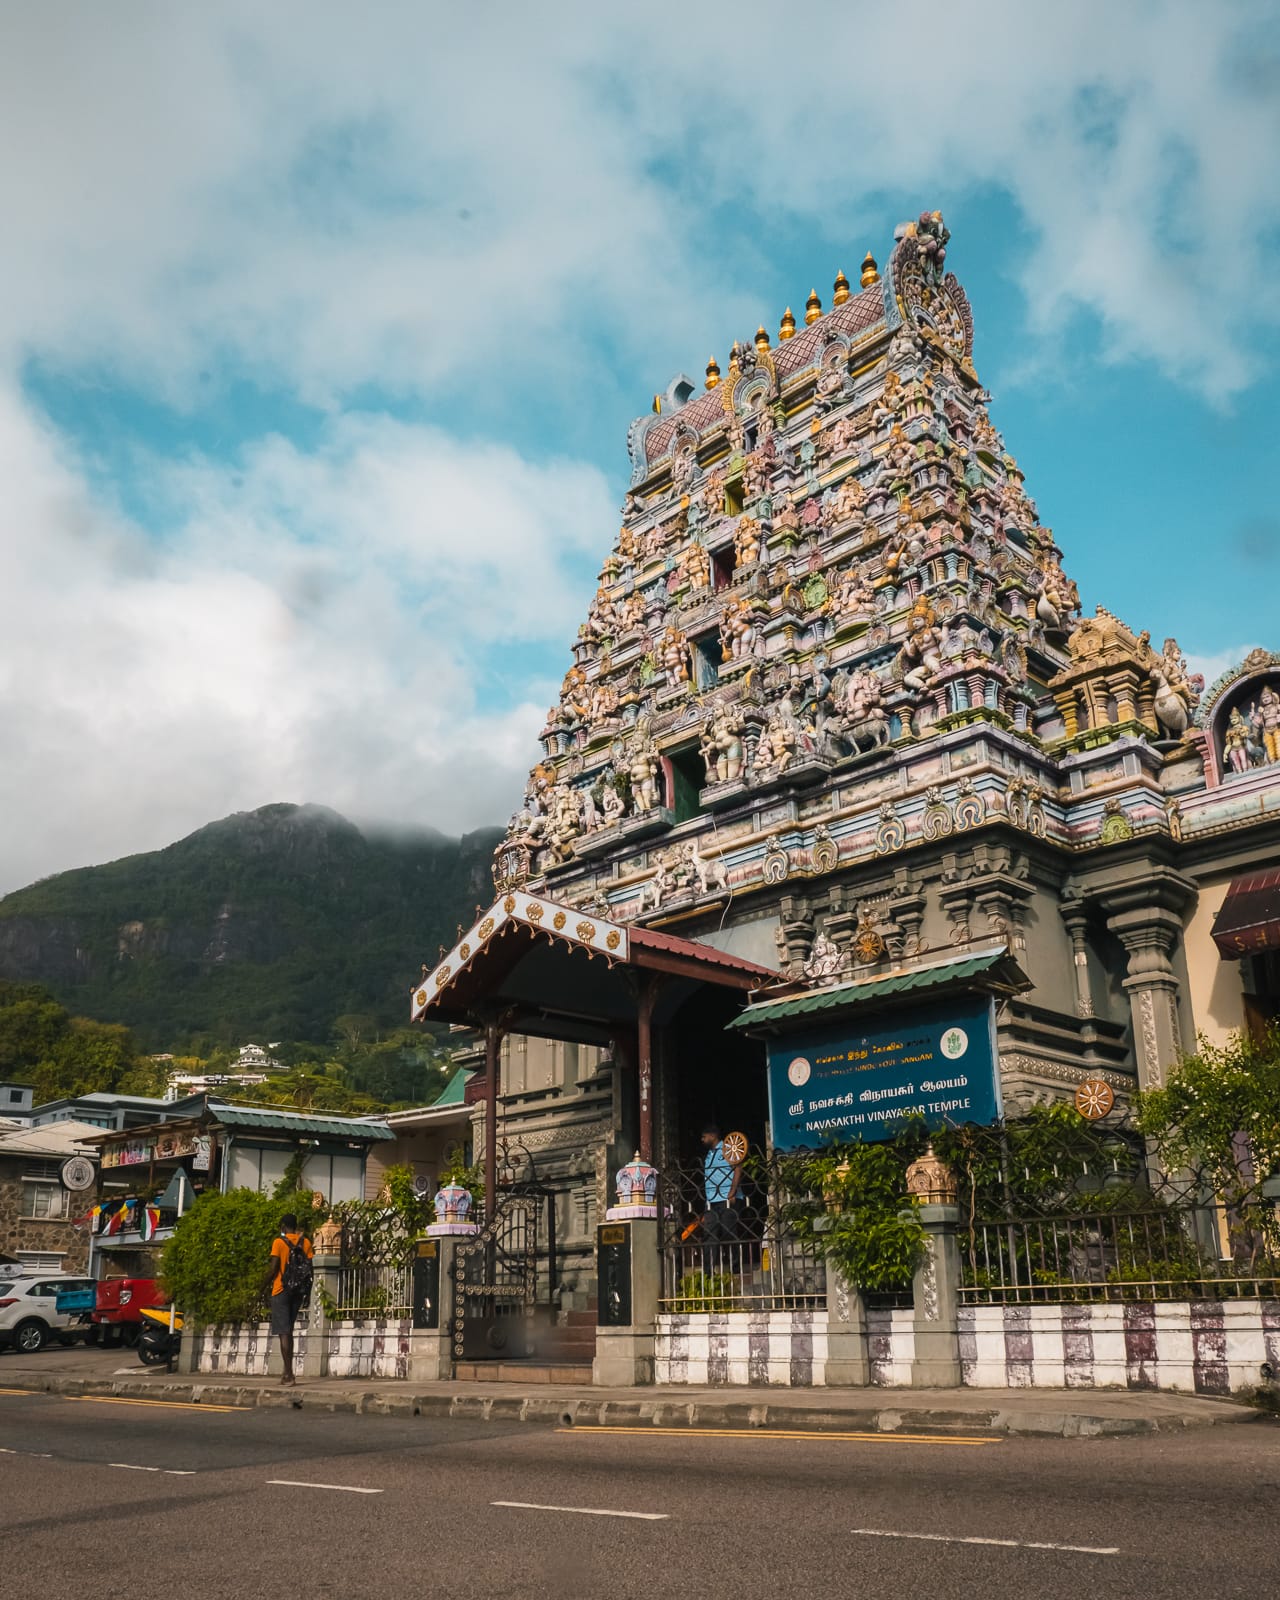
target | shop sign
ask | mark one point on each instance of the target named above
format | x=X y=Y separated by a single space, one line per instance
x=130 y=1153
x=202 y=1152
x=78 y=1173
x=859 y=1080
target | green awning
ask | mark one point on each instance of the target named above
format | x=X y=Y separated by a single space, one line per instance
x=298 y=1122
x=454 y=1092
x=995 y=972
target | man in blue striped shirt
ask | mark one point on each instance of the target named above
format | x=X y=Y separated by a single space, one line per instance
x=720 y=1179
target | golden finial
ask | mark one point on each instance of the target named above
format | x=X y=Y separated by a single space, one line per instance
x=841 y=290
x=788 y=327
x=657 y=405
x=870 y=272
x=713 y=373
x=762 y=340
x=812 y=307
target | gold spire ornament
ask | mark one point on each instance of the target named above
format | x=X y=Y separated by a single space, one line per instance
x=657 y=405
x=841 y=290
x=870 y=272
x=713 y=373
x=812 y=307
x=762 y=340
x=788 y=326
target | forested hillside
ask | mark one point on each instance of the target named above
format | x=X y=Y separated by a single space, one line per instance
x=267 y=925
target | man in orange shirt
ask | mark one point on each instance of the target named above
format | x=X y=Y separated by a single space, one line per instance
x=289 y=1277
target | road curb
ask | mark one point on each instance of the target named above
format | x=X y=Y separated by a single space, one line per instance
x=743 y=1415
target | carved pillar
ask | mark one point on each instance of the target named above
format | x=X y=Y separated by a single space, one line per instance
x=1076 y=922
x=1147 y=919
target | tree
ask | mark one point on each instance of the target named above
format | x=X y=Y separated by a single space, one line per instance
x=1219 y=1114
x=352 y=1027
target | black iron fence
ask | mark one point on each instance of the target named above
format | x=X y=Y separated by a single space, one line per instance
x=1188 y=1251
x=743 y=1256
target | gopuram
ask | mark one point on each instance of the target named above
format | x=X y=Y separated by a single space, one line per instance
x=835 y=720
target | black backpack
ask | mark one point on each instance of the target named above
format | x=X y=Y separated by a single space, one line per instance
x=298 y=1271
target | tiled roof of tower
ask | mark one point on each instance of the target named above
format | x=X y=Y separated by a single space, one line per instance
x=858 y=315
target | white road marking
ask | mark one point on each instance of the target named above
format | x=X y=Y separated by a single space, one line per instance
x=297 y=1483
x=1010 y=1544
x=584 y=1511
x=167 y=1472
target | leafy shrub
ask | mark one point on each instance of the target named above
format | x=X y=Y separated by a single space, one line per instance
x=215 y=1265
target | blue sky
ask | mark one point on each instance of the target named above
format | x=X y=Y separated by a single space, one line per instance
x=320 y=333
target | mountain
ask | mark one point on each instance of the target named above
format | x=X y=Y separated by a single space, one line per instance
x=266 y=925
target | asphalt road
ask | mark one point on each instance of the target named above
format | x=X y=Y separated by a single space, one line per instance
x=107 y=1498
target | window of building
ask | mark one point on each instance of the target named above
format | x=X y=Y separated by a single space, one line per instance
x=708 y=654
x=45 y=1202
x=688 y=777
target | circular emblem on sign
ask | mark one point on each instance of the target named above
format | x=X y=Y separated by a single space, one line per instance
x=799 y=1071
x=1094 y=1098
x=735 y=1148
x=78 y=1173
x=955 y=1041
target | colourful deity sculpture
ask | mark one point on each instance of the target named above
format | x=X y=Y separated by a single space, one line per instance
x=1267 y=715
x=746 y=542
x=721 y=745
x=854 y=598
x=643 y=769
x=738 y=631
x=673 y=653
x=919 y=660
x=695 y=566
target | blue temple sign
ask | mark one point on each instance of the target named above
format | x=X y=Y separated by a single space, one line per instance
x=860 y=1079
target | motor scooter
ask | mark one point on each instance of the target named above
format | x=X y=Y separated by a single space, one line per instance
x=159 y=1336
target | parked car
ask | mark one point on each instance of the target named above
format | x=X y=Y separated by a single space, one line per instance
x=117 y=1316
x=29 y=1315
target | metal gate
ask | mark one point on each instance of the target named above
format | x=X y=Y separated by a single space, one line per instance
x=495 y=1278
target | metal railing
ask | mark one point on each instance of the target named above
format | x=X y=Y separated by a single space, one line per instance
x=744 y=1257
x=375 y=1291
x=1200 y=1252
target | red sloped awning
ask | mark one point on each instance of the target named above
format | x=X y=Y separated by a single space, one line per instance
x=564 y=971
x=1249 y=920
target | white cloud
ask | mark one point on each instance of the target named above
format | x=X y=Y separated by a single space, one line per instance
x=333 y=200
x=313 y=629
x=338 y=196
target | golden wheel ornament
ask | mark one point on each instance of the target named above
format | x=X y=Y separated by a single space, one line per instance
x=1094 y=1099
x=735 y=1148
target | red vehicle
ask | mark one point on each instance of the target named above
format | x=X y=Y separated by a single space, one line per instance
x=117 y=1315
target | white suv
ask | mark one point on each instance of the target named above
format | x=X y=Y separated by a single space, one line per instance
x=29 y=1312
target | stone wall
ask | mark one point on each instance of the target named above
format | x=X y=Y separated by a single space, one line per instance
x=1202 y=1347
x=351 y=1349
x=787 y=1348
x=1205 y=1346
x=369 y=1349
x=29 y=1233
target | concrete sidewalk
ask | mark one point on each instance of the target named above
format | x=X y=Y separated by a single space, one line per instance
x=1061 y=1413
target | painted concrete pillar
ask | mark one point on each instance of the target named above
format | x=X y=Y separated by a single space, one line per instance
x=315 y=1353
x=625 y=1352
x=936 y=1292
x=1150 y=936
x=431 y=1353
x=848 y=1355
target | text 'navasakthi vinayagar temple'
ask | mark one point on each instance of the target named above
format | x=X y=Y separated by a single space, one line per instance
x=834 y=711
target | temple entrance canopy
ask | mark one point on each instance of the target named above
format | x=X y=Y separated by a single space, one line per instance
x=530 y=965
